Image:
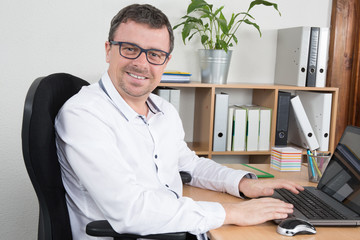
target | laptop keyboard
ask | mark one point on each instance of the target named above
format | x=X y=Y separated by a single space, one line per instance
x=310 y=205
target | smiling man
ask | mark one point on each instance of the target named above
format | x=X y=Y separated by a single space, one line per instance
x=121 y=148
x=134 y=74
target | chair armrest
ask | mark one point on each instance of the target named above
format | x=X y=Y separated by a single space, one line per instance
x=185 y=177
x=102 y=228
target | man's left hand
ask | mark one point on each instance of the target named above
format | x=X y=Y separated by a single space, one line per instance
x=253 y=188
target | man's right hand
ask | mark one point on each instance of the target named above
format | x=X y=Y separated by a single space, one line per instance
x=256 y=211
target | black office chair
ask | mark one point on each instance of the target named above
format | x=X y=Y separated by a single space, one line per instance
x=43 y=101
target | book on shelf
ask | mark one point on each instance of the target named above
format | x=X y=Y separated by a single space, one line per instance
x=236 y=139
x=264 y=129
x=230 y=129
x=171 y=95
x=239 y=130
x=175 y=77
x=252 y=127
x=249 y=128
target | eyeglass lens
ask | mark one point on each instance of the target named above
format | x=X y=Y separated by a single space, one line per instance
x=131 y=51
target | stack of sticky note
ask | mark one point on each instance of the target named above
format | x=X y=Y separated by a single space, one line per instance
x=285 y=159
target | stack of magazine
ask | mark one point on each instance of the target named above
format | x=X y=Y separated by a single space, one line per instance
x=176 y=77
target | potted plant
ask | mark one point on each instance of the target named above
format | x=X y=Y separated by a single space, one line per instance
x=217 y=35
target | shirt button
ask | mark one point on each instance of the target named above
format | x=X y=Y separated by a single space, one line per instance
x=166 y=185
x=156 y=156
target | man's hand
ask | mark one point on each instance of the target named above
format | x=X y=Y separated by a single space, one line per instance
x=256 y=211
x=253 y=188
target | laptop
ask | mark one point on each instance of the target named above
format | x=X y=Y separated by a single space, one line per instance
x=338 y=189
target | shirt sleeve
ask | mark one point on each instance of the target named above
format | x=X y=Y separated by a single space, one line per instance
x=208 y=174
x=96 y=165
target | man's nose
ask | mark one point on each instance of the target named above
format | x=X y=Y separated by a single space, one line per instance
x=142 y=58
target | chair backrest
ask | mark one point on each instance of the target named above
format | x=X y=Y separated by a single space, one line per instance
x=44 y=99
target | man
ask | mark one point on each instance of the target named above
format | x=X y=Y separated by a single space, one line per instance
x=121 y=148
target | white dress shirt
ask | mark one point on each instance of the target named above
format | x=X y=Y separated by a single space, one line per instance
x=123 y=167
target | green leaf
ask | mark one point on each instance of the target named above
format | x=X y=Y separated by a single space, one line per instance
x=232 y=20
x=248 y=15
x=206 y=15
x=222 y=45
x=217 y=45
x=193 y=19
x=187 y=21
x=186 y=30
x=215 y=31
x=206 y=12
x=195 y=5
x=235 y=39
x=218 y=10
x=222 y=23
x=191 y=36
x=247 y=21
x=204 y=39
x=266 y=3
x=209 y=6
x=178 y=25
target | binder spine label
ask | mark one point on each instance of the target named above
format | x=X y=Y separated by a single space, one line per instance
x=313 y=57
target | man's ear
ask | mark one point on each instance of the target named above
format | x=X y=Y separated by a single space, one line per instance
x=167 y=60
x=107 y=51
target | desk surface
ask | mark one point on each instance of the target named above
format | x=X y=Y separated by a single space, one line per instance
x=266 y=230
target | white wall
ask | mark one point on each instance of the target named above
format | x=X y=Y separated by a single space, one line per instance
x=41 y=37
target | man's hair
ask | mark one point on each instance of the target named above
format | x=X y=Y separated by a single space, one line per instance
x=142 y=13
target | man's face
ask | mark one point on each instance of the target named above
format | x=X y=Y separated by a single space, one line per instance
x=136 y=78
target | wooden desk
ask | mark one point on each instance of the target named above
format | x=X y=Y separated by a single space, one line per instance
x=267 y=230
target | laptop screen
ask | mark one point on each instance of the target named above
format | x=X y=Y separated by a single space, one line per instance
x=341 y=178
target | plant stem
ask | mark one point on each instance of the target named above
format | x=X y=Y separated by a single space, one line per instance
x=237 y=26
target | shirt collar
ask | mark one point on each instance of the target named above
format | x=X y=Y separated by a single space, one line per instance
x=120 y=103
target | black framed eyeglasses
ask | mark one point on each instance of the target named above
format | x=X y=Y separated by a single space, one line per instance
x=133 y=51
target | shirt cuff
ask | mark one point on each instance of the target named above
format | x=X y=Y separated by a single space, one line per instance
x=233 y=179
x=214 y=214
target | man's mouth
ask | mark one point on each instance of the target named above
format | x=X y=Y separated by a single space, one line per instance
x=136 y=76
